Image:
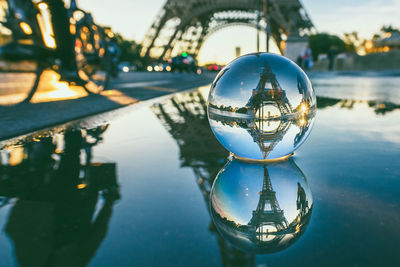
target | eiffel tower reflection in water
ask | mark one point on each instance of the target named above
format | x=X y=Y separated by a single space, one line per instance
x=185 y=117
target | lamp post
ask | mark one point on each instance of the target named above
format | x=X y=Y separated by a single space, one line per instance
x=258 y=35
x=266 y=19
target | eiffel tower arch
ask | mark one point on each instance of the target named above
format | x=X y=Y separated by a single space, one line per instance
x=184 y=25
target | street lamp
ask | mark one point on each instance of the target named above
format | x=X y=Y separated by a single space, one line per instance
x=266 y=18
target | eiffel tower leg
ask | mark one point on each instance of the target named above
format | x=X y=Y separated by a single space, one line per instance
x=283 y=19
x=168 y=46
x=158 y=28
x=200 y=40
x=281 y=109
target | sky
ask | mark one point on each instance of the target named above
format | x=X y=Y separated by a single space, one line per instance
x=132 y=18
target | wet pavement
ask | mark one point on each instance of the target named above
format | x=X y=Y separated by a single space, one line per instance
x=132 y=187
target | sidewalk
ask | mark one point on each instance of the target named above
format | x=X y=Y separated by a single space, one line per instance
x=27 y=117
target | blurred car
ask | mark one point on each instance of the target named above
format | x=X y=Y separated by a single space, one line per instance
x=183 y=63
x=159 y=67
x=126 y=67
x=214 y=67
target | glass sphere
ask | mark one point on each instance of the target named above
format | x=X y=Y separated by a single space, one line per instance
x=261 y=106
x=261 y=208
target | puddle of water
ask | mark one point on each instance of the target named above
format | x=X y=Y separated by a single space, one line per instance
x=135 y=189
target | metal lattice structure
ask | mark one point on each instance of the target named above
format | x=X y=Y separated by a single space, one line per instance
x=267 y=140
x=268 y=212
x=185 y=117
x=268 y=93
x=184 y=25
x=264 y=96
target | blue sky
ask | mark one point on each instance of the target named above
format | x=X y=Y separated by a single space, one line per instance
x=133 y=17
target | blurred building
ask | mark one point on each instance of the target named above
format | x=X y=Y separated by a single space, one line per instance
x=386 y=42
x=238 y=51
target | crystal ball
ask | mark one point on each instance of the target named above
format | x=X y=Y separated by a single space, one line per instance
x=261 y=106
x=261 y=208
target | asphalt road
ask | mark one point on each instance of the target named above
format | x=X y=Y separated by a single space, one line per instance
x=56 y=102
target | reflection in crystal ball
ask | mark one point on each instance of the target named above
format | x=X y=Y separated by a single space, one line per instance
x=261 y=106
x=261 y=208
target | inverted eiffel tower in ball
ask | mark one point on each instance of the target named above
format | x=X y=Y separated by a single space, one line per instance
x=268 y=92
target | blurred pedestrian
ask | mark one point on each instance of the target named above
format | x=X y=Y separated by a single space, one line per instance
x=299 y=61
x=307 y=59
x=331 y=56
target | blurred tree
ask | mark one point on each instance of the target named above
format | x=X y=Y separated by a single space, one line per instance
x=130 y=50
x=375 y=36
x=389 y=28
x=352 y=41
x=242 y=110
x=324 y=43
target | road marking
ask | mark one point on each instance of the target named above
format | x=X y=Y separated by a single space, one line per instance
x=139 y=84
x=157 y=88
x=13 y=99
x=118 y=97
x=12 y=85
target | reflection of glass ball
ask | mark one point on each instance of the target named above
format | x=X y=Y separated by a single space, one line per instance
x=261 y=208
x=261 y=106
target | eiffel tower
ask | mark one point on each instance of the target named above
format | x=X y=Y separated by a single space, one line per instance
x=267 y=213
x=184 y=25
x=269 y=93
x=267 y=140
x=206 y=157
x=274 y=95
x=200 y=150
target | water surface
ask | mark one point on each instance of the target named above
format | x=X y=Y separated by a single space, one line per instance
x=134 y=190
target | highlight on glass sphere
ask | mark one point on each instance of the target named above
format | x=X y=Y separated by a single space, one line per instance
x=261 y=106
x=261 y=208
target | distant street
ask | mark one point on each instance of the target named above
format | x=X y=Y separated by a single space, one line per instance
x=56 y=102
